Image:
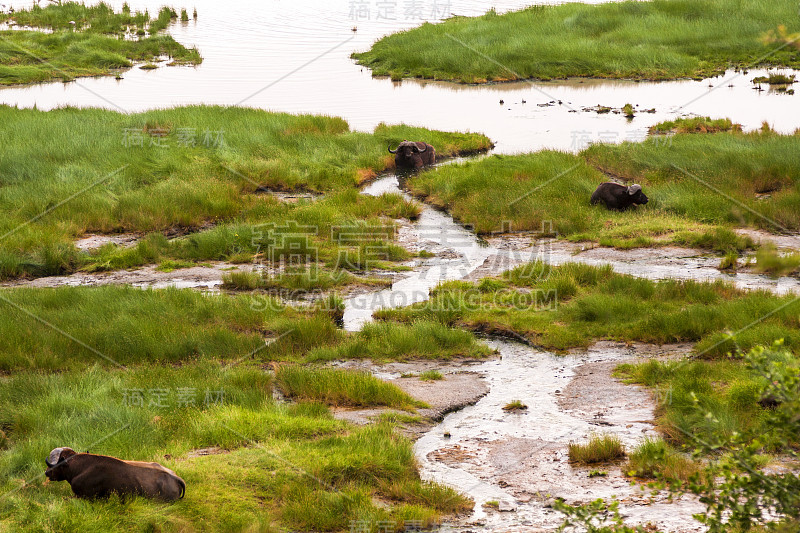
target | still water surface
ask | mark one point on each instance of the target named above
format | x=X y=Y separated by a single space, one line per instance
x=294 y=56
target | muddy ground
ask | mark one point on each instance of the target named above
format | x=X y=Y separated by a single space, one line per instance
x=519 y=459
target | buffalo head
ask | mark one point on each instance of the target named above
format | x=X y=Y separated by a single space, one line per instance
x=56 y=462
x=410 y=154
x=636 y=195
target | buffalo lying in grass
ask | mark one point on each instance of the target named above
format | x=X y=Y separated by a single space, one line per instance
x=410 y=154
x=99 y=476
x=618 y=197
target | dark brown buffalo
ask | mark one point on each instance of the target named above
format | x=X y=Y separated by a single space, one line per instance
x=620 y=197
x=99 y=476
x=410 y=154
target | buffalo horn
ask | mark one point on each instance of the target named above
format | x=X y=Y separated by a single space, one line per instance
x=52 y=459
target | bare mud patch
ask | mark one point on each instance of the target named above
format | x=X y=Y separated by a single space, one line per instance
x=94 y=241
x=202 y=452
x=206 y=277
x=289 y=197
x=459 y=388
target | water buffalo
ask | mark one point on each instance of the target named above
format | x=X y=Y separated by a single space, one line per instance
x=99 y=476
x=619 y=197
x=410 y=154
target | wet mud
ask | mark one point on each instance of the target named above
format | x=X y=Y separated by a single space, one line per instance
x=520 y=459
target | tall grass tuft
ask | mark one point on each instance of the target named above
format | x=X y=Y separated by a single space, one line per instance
x=772 y=262
x=653 y=458
x=599 y=449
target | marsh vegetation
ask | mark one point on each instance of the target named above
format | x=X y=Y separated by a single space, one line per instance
x=598 y=449
x=557 y=308
x=85 y=41
x=659 y=40
x=262 y=464
x=743 y=180
x=180 y=170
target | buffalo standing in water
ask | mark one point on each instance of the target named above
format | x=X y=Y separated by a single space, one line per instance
x=410 y=154
x=99 y=476
x=618 y=197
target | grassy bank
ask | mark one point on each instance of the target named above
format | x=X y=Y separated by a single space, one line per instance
x=99 y=43
x=574 y=305
x=127 y=326
x=272 y=465
x=662 y=39
x=341 y=387
x=741 y=179
x=182 y=169
x=721 y=397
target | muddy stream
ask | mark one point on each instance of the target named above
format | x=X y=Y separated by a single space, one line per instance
x=520 y=461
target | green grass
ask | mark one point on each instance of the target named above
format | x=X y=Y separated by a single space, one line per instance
x=696 y=125
x=94 y=48
x=99 y=19
x=697 y=397
x=775 y=79
x=706 y=196
x=113 y=326
x=170 y=265
x=654 y=458
x=662 y=39
x=770 y=261
x=288 y=467
x=125 y=325
x=573 y=305
x=91 y=170
x=295 y=283
x=421 y=339
x=341 y=388
x=599 y=449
